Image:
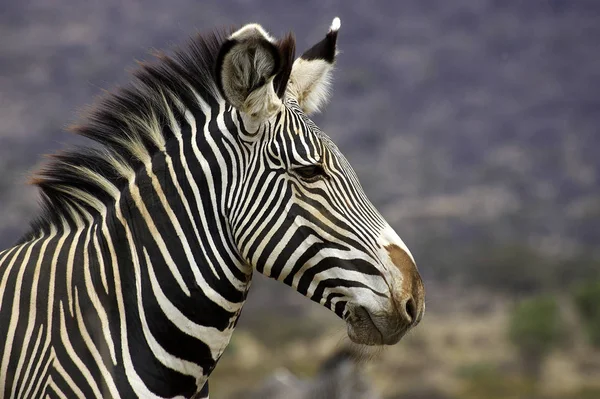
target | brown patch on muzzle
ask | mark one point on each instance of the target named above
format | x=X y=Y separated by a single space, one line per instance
x=411 y=279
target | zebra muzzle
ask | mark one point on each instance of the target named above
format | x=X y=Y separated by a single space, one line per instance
x=384 y=321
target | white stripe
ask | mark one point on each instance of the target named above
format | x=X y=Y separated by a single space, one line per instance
x=52 y=282
x=15 y=311
x=215 y=339
x=63 y=373
x=191 y=180
x=100 y=257
x=214 y=208
x=85 y=372
x=52 y=385
x=94 y=299
x=216 y=297
x=298 y=252
x=40 y=380
x=163 y=356
x=249 y=225
x=376 y=283
x=26 y=339
x=69 y=271
x=35 y=358
x=8 y=270
x=89 y=343
x=136 y=383
x=155 y=233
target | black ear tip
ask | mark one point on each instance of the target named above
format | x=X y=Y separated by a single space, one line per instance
x=333 y=31
x=326 y=48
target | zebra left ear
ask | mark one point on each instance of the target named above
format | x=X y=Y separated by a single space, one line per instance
x=310 y=79
x=246 y=67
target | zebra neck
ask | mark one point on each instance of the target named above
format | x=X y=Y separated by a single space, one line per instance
x=179 y=280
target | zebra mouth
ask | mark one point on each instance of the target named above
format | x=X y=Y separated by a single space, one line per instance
x=367 y=329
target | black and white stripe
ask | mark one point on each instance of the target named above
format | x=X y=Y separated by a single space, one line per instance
x=131 y=282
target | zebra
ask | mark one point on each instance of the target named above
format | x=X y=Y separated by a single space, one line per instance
x=205 y=168
x=338 y=377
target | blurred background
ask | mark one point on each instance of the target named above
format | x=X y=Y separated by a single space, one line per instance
x=474 y=127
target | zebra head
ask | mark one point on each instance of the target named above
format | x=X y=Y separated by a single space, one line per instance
x=299 y=214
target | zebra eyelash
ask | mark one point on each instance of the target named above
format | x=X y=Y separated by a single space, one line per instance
x=310 y=173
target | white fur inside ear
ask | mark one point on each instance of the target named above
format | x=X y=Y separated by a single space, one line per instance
x=243 y=70
x=263 y=102
x=310 y=83
x=250 y=30
x=260 y=105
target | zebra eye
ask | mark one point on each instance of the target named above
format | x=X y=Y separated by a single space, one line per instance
x=310 y=172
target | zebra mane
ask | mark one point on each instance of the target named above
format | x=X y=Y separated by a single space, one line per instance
x=128 y=125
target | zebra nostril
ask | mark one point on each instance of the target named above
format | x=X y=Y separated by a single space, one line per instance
x=411 y=310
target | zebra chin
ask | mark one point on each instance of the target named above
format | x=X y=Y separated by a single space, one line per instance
x=378 y=328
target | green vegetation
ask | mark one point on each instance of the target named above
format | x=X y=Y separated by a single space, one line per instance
x=587 y=301
x=536 y=329
x=482 y=380
x=586 y=393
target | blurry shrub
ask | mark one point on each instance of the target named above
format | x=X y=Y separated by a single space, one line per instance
x=588 y=363
x=421 y=392
x=338 y=377
x=513 y=269
x=585 y=393
x=536 y=328
x=482 y=380
x=276 y=330
x=587 y=301
x=451 y=340
x=584 y=267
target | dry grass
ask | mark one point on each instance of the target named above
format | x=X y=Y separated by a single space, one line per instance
x=429 y=358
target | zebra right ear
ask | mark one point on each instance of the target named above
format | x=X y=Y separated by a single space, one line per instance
x=247 y=63
x=310 y=79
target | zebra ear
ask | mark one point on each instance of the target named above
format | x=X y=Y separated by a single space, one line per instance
x=247 y=63
x=310 y=79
